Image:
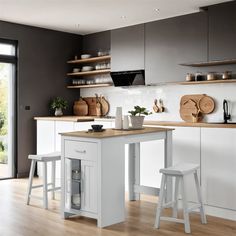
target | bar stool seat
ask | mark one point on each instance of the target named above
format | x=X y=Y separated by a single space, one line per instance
x=44 y=158
x=180 y=172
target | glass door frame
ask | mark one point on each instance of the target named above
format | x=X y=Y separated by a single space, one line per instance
x=12 y=59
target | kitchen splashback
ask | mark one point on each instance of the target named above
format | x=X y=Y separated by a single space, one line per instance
x=171 y=95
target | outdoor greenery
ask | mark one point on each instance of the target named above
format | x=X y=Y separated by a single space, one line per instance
x=3 y=111
x=139 y=111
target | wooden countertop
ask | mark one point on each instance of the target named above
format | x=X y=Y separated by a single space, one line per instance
x=188 y=124
x=67 y=118
x=111 y=133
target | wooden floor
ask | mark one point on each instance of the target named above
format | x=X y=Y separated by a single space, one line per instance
x=18 y=219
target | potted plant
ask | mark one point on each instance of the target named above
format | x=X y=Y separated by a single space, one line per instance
x=58 y=104
x=137 y=116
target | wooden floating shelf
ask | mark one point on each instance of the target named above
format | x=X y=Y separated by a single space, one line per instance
x=88 y=86
x=208 y=82
x=89 y=60
x=92 y=72
x=210 y=63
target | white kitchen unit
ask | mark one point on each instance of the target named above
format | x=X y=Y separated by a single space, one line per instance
x=218 y=157
x=93 y=172
x=186 y=149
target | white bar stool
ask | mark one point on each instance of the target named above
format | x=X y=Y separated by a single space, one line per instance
x=45 y=158
x=180 y=173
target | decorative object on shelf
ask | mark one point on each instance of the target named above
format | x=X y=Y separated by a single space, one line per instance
x=118 y=120
x=190 y=77
x=199 y=76
x=193 y=107
x=158 y=106
x=80 y=107
x=137 y=116
x=75 y=70
x=211 y=76
x=85 y=56
x=126 y=122
x=58 y=104
x=227 y=75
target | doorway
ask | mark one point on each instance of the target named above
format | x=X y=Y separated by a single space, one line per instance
x=7 y=108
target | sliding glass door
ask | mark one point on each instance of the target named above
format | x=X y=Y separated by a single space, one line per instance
x=7 y=108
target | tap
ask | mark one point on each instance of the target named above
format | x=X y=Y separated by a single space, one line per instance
x=227 y=116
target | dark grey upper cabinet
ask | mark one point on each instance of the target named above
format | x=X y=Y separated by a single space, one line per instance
x=127 y=48
x=222 y=31
x=173 y=41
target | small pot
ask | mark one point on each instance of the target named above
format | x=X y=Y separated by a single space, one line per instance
x=190 y=77
x=58 y=112
x=211 y=76
x=137 y=122
x=226 y=75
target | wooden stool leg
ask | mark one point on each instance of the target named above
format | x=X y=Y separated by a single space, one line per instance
x=45 y=186
x=160 y=201
x=53 y=178
x=199 y=195
x=31 y=176
x=185 y=207
x=175 y=207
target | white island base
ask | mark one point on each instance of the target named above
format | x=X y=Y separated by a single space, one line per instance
x=100 y=191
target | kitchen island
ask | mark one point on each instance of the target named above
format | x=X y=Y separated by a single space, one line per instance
x=98 y=188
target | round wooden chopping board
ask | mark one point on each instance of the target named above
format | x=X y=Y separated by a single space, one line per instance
x=206 y=104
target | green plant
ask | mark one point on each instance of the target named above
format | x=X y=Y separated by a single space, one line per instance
x=59 y=103
x=139 y=111
x=2 y=118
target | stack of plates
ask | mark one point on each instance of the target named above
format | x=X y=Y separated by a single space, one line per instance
x=85 y=56
x=87 y=68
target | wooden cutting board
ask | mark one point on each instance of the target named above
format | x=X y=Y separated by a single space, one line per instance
x=191 y=104
x=104 y=105
x=92 y=105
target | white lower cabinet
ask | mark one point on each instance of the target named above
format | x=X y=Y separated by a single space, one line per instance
x=218 y=157
x=186 y=149
x=80 y=177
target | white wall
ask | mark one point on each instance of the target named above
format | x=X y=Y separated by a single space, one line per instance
x=170 y=94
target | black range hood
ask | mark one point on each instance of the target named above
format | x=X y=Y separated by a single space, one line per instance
x=128 y=78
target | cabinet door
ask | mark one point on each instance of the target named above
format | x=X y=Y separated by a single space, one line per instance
x=60 y=127
x=186 y=148
x=222 y=31
x=218 y=158
x=127 y=48
x=151 y=161
x=89 y=186
x=80 y=126
x=45 y=140
x=173 y=41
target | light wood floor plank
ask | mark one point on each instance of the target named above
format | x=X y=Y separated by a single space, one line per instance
x=18 y=219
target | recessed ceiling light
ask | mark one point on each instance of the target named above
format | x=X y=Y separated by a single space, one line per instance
x=123 y=17
x=156 y=9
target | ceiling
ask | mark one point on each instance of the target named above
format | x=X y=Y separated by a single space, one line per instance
x=90 y=16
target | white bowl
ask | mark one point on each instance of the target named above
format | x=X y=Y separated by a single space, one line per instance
x=85 y=56
x=87 y=68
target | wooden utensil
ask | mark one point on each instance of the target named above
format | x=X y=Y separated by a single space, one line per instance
x=80 y=107
x=104 y=105
x=155 y=106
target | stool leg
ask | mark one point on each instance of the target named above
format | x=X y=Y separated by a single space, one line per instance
x=53 y=178
x=45 y=186
x=175 y=207
x=31 y=176
x=185 y=207
x=160 y=202
x=199 y=195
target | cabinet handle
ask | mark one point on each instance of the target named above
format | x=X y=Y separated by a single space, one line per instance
x=81 y=152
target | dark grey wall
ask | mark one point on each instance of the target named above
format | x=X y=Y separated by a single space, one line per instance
x=98 y=41
x=41 y=76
